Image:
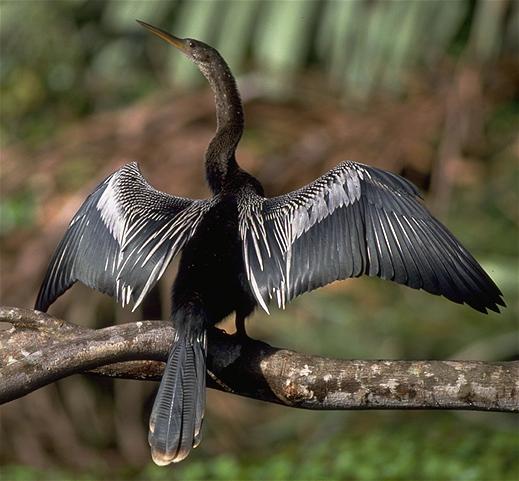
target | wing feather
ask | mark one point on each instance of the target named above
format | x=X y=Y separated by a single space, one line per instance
x=122 y=239
x=356 y=220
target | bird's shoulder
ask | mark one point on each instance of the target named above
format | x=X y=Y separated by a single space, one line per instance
x=243 y=185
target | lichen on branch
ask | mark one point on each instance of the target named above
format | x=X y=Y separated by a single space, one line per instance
x=37 y=349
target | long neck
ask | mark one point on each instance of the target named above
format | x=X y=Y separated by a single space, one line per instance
x=220 y=160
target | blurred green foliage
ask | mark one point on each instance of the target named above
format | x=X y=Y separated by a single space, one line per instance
x=67 y=58
x=16 y=211
x=424 y=450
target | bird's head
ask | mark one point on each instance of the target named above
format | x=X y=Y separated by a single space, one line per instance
x=197 y=51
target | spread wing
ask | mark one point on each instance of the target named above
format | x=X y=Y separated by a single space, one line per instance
x=356 y=220
x=122 y=239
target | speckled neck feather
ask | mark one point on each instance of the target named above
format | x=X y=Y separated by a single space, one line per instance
x=220 y=160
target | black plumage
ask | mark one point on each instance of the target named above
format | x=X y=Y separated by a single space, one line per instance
x=357 y=220
x=240 y=249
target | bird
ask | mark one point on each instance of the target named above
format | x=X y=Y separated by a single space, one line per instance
x=240 y=250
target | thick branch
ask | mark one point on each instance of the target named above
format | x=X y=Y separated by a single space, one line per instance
x=36 y=349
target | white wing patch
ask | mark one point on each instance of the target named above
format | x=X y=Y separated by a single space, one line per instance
x=109 y=210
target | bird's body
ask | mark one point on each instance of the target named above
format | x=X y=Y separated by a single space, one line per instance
x=211 y=270
x=240 y=250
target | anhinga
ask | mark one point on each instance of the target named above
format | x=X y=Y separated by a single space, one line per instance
x=240 y=249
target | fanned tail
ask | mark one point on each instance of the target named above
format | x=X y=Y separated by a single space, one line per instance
x=178 y=410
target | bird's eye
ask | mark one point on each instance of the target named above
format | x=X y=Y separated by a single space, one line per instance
x=191 y=44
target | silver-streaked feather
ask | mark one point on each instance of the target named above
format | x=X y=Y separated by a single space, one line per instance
x=122 y=239
x=355 y=220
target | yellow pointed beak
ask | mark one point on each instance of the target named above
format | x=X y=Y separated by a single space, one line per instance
x=167 y=37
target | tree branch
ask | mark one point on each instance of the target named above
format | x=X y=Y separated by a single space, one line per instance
x=37 y=349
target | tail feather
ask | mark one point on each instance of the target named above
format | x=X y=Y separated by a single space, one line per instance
x=178 y=411
x=200 y=397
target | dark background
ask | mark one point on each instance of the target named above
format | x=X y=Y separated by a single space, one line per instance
x=426 y=89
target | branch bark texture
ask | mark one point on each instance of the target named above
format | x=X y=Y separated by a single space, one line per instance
x=37 y=349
